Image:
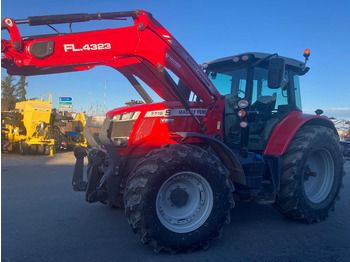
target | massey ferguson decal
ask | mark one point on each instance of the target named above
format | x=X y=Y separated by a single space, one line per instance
x=172 y=60
x=193 y=65
x=176 y=112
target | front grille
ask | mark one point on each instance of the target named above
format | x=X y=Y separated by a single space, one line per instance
x=121 y=127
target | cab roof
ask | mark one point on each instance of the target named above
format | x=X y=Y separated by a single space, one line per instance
x=300 y=66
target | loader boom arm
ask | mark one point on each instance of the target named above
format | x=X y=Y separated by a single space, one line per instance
x=144 y=50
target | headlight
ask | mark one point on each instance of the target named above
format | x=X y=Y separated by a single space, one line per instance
x=243 y=103
x=126 y=116
x=235 y=59
x=245 y=58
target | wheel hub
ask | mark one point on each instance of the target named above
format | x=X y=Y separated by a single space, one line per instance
x=318 y=176
x=184 y=202
x=308 y=172
x=179 y=197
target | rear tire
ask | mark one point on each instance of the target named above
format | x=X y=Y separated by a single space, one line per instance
x=178 y=198
x=24 y=148
x=41 y=149
x=33 y=149
x=312 y=175
x=46 y=150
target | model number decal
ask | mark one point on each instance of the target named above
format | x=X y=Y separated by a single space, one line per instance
x=176 y=112
x=87 y=47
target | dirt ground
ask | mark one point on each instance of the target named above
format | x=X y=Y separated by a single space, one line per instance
x=42 y=219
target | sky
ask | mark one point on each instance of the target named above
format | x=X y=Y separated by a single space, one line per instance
x=210 y=30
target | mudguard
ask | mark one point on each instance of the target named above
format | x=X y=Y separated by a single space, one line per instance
x=286 y=129
x=226 y=155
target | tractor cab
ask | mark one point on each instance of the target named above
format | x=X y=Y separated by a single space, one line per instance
x=255 y=101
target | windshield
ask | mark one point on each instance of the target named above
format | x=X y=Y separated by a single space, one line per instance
x=230 y=82
x=236 y=82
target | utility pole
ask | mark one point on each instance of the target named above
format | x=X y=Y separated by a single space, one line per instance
x=92 y=105
x=104 y=102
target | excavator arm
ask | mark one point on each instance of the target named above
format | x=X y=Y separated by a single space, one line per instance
x=144 y=50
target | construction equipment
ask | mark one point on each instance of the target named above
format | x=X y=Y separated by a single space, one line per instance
x=29 y=126
x=34 y=127
x=73 y=135
x=231 y=130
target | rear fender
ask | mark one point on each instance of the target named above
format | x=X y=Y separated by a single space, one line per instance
x=227 y=157
x=286 y=129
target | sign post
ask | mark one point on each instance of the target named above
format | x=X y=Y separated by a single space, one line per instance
x=65 y=103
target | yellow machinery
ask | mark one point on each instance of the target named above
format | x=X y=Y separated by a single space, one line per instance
x=9 y=135
x=34 y=127
x=29 y=127
x=74 y=135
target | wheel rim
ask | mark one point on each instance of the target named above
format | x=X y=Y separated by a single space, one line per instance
x=318 y=176
x=184 y=202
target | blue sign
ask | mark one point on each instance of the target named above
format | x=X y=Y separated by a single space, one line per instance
x=65 y=99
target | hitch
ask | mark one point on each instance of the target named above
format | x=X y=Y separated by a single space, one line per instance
x=78 y=181
x=103 y=167
x=94 y=191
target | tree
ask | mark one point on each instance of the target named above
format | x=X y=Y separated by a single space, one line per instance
x=7 y=93
x=12 y=93
x=21 y=89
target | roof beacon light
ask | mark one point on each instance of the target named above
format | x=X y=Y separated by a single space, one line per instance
x=306 y=54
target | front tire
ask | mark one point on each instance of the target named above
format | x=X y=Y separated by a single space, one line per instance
x=178 y=198
x=312 y=175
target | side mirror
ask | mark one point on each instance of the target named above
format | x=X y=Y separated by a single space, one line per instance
x=275 y=73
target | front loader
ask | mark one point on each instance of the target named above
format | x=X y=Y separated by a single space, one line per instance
x=229 y=130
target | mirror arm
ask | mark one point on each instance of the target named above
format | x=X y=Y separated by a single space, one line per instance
x=263 y=59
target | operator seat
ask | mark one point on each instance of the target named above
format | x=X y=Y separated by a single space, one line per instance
x=265 y=104
x=258 y=127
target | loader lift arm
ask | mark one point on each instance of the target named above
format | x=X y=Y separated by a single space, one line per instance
x=144 y=50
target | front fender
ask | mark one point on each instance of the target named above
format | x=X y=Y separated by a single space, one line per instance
x=286 y=129
x=226 y=155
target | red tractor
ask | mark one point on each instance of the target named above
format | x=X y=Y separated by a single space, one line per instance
x=229 y=130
